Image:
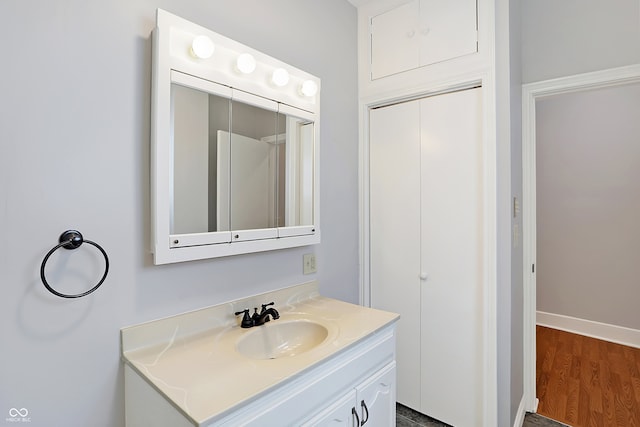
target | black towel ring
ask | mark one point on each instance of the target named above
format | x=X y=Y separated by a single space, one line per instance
x=72 y=239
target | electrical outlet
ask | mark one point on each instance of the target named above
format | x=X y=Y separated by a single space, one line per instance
x=309 y=263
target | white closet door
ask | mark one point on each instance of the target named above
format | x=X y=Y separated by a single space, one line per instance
x=395 y=233
x=451 y=219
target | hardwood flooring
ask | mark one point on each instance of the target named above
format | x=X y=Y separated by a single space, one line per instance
x=586 y=382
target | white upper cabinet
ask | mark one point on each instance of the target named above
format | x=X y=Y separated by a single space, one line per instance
x=420 y=33
x=394 y=43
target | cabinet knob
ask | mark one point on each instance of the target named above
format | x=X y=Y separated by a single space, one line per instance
x=411 y=33
x=424 y=276
x=425 y=30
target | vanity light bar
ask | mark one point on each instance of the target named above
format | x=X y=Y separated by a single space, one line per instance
x=232 y=61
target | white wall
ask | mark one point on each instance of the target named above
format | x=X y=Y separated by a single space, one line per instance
x=74 y=150
x=588 y=205
x=562 y=38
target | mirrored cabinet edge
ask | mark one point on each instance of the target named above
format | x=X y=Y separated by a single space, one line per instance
x=234 y=147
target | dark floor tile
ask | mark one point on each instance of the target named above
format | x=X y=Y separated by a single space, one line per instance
x=419 y=420
x=535 y=420
x=405 y=422
x=407 y=417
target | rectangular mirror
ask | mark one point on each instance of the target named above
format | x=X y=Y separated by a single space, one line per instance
x=239 y=163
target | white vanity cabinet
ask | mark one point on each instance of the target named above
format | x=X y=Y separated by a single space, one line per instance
x=362 y=376
x=179 y=372
x=420 y=33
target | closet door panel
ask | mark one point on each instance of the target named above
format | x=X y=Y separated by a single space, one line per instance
x=447 y=30
x=451 y=218
x=395 y=233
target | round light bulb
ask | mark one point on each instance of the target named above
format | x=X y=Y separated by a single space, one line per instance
x=280 y=77
x=246 y=63
x=309 y=88
x=202 y=47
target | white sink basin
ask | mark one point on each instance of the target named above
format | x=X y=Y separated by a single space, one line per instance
x=279 y=338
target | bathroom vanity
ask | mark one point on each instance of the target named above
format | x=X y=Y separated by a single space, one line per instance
x=322 y=362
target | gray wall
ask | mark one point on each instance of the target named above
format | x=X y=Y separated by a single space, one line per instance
x=549 y=39
x=562 y=38
x=588 y=205
x=509 y=290
x=567 y=38
x=517 y=301
x=74 y=150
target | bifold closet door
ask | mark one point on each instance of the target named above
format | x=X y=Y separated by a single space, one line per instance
x=451 y=261
x=394 y=217
x=426 y=248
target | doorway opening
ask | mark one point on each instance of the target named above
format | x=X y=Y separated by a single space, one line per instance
x=532 y=94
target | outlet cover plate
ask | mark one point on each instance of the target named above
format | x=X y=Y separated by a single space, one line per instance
x=309 y=263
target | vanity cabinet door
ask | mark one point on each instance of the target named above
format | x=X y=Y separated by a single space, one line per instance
x=420 y=33
x=339 y=413
x=371 y=403
x=377 y=398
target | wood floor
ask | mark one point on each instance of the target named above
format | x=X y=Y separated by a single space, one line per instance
x=586 y=382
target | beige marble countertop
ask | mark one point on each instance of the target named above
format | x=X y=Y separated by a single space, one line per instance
x=192 y=358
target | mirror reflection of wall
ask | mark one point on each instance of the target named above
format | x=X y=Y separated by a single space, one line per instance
x=190 y=160
x=197 y=116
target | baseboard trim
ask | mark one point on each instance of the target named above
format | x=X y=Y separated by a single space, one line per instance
x=589 y=328
x=520 y=414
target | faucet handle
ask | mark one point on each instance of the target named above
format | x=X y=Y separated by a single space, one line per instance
x=255 y=317
x=247 y=321
x=264 y=306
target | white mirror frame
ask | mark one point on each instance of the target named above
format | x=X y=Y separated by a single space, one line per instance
x=172 y=51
